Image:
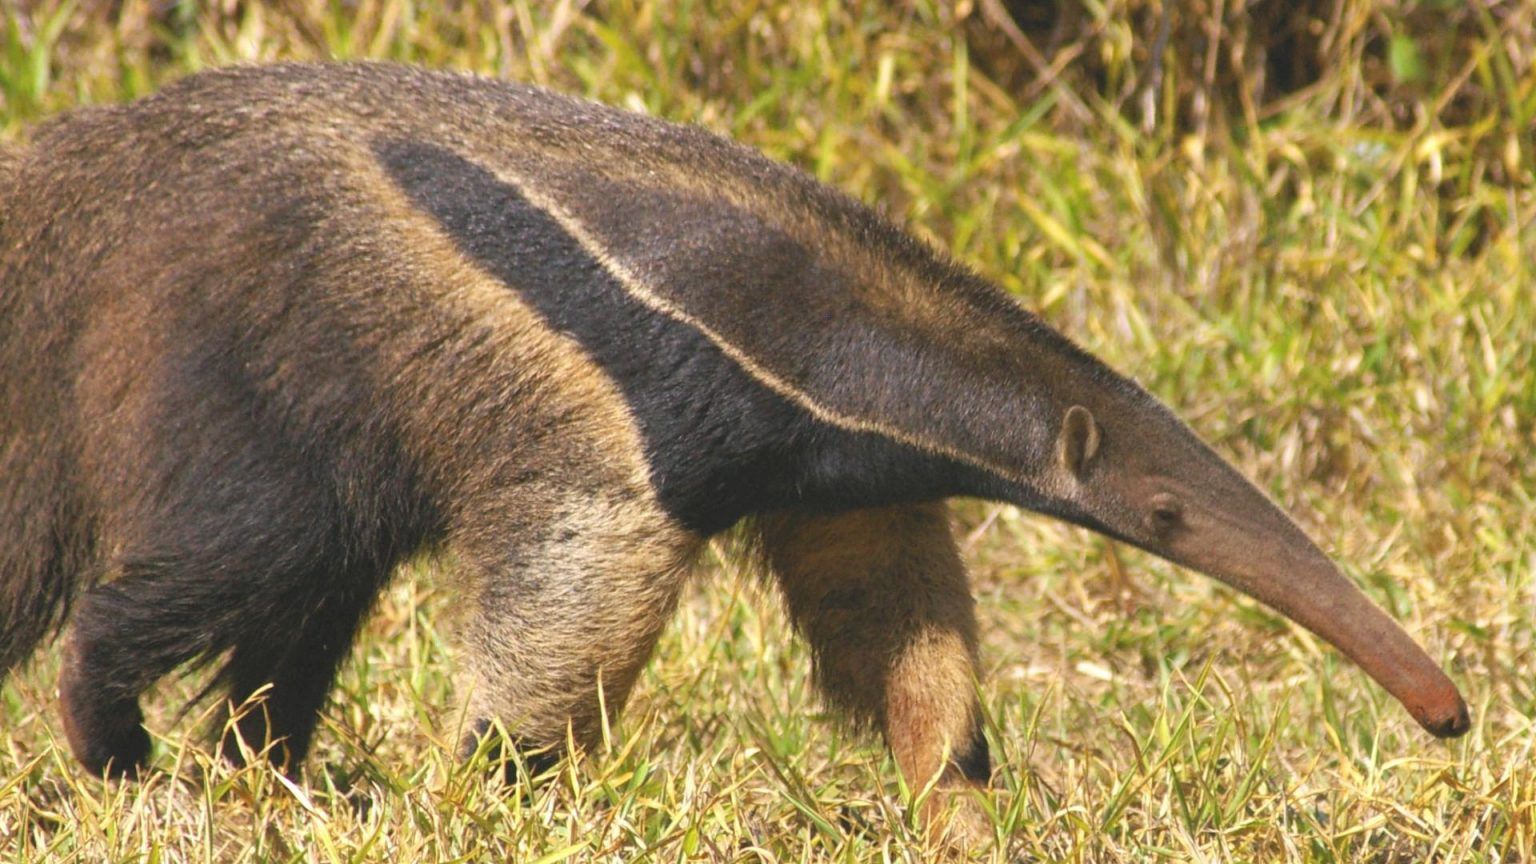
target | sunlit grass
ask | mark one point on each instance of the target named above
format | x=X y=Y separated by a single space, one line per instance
x=1344 y=307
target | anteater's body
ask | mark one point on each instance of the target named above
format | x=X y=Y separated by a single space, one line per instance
x=272 y=331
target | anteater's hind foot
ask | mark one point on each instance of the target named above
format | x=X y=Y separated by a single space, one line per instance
x=278 y=721
x=105 y=726
x=277 y=687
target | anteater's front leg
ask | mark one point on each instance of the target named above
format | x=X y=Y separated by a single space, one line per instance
x=883 y=598
x=565 y=615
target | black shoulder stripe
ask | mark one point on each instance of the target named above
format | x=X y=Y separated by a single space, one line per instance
x=860 y=344
x=720 y=444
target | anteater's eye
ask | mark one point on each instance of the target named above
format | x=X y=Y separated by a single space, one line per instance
x=1166 y=514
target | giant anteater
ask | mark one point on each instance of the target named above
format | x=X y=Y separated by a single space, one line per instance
x=270 y=332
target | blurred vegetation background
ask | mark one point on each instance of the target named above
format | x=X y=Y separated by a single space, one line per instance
x=1310 y=227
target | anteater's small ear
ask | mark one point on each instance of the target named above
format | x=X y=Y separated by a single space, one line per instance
x=1079 y=440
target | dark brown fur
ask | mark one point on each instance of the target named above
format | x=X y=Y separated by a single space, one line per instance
x=268 y=334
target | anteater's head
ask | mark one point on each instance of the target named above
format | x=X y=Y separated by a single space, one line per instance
x=1127 y=467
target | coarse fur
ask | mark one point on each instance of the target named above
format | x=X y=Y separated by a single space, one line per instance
x=272 y=331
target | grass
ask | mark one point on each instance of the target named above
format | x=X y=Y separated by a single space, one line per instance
x=1338 y=295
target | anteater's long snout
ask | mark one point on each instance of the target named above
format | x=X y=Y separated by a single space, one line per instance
x=1374 y=641
x=1316 y=595
x=1389 y=655
x=1448 y=717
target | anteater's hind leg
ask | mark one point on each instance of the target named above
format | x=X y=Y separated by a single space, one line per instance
x=290 y=630
x=564 y=619
x=123 y=637
x=300 y=667
x=883 y=599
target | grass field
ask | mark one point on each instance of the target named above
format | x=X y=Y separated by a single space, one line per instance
x=1337 y=291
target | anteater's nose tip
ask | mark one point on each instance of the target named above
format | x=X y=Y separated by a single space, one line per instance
x=1449 y=724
